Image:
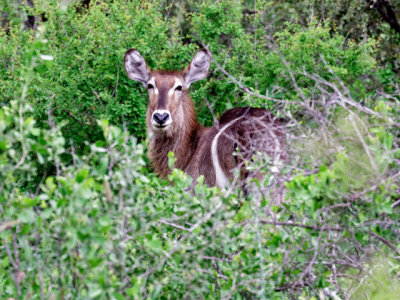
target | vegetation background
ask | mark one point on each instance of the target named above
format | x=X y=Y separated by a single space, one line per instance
x=82 y=215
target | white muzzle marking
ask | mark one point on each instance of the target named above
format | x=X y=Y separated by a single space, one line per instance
x=163 y=127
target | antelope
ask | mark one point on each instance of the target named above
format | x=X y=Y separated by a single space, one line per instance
x=172 y=125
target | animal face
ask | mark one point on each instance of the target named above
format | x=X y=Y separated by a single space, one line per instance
x=165 y=98
x=167 y=89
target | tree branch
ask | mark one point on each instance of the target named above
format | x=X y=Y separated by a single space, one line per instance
x=386 y=10
x=311 y=227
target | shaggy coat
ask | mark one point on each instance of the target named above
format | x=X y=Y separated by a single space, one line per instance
x=212 y=152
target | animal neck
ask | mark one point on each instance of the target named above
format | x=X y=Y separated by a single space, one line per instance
x=182 y=140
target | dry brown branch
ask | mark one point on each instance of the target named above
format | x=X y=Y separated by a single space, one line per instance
x=306 y=272
x=387 y=12
x=385 y=241
x=39 y=269
x=7 y=225
x=53 y=129
x=18 y=276
x=108 y=191
x=311 y=227
x=242 y=86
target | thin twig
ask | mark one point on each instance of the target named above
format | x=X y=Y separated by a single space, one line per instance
x=36 y=253
x=242 y=86
x=7 y=225
x=312 y=262
x=312 y=227
x=385 y=241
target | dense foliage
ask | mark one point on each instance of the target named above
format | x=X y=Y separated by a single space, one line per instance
x=82 y=215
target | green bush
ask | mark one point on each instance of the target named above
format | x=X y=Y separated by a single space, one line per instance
x=81 y=214
x=105 y=228
x=87 y=81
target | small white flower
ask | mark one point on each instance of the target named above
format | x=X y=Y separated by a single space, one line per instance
x=274 y=169
x=46 y=57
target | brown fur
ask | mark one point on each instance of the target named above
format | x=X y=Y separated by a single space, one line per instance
x=251 y=130
x=191 y=142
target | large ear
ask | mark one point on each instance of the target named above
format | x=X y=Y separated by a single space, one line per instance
x=136 y=67
x=198 y=68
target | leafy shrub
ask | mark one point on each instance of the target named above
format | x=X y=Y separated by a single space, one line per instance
x=83 y=217
x=105 y=228
x=87 y=81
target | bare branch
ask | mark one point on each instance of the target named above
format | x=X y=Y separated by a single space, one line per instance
x=387 y=12
x=36 y=253
x=385 y=241
x=7 y=225
x=312 y=227
x=242 y=86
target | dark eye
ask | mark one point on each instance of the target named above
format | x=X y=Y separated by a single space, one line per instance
x=178 y=88
x=150 y=86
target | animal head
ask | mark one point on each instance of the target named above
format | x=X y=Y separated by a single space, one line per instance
x=168 y=90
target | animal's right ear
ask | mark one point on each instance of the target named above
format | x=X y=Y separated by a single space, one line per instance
x=136 y=67
x=198 y=68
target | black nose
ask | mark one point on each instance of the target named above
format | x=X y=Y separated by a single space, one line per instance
x=161 y=118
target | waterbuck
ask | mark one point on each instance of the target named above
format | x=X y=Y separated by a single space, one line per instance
x=172 y=125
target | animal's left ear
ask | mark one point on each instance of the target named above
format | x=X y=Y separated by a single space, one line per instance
x=136 y=67
x=198 y=68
